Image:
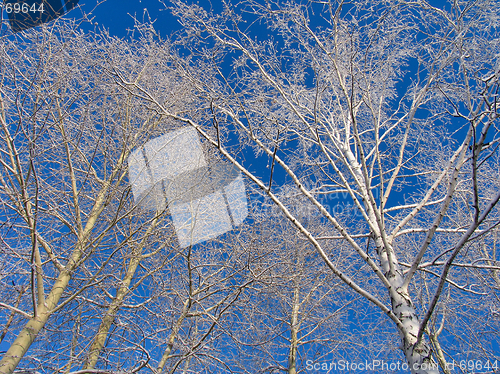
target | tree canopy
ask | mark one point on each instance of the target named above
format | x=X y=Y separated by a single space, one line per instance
x=367 y=135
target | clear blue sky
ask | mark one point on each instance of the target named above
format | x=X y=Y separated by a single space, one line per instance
x=117 y=15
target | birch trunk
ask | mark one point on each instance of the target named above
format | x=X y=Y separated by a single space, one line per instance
x=292 y=357
x=122 y=292
x=109 y=317
x=29 y=333
x=418 y=355
x=173 y=336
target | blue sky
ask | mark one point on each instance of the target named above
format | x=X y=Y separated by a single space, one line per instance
x=117 y=16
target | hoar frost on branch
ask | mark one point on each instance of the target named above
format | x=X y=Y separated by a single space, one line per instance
x=395 y=104
x=390 y=108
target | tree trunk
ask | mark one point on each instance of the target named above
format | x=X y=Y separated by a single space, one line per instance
x=28 y=334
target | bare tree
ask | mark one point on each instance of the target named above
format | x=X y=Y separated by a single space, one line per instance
x=90 y=280
x=293 y=309
x=395 y=105
x=372 y=128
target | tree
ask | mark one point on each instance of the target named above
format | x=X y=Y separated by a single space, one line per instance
x=373 y=228
x=395 y=105
x=91 y=281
